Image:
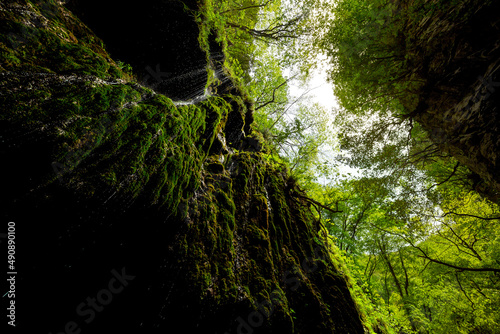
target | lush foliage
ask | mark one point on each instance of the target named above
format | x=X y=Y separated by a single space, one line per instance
x=421 y=245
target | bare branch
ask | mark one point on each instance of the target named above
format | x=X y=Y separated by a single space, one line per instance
x=274 y=93
x=278 y=32
x=462 y=289
x=427 y=257
x=314 y=202
x=447 y=179
x=495 y=270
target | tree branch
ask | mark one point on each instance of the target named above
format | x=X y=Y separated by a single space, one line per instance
x=447 y=179
x=425 y=256
x=274 y=93
x=495 y=270
x=312 y=201
x=245 y=8
x=467 y=215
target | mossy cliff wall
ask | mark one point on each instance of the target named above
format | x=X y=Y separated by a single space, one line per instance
x=459 y=59
x=135 y=214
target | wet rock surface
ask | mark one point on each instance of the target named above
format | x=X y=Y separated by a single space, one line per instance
x=158 y=38
x=459 y=106
x=135 y=214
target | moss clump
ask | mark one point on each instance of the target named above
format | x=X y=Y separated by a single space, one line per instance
x=43 y=37
x=267 y=262
x=107 y=136
x=226 y=239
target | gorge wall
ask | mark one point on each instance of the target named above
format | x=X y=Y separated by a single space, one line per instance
x=459 y=58
x=135 y=214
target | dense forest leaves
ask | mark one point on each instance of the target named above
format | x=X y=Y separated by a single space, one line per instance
x=421 y=239
x=417 y=225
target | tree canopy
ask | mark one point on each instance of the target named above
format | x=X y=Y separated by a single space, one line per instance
x=421 y=244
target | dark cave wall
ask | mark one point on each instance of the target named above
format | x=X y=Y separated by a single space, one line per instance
x=159 y=39
x=108 y=177
x=460 y=59
x=469 y=132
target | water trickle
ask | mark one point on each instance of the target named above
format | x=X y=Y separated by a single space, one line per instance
x=194 y=100
x=166 y=55
x=199 y=92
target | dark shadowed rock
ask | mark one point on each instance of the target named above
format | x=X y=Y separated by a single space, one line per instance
x=134 y=214
x=157 y=37
x=459 y=107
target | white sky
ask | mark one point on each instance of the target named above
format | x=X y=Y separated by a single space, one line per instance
x=323 y=90
x=322 y=94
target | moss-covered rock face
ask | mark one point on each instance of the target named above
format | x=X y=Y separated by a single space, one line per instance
x=253 y=247
x=158 y=38
x=113 y=185
x=459 y=57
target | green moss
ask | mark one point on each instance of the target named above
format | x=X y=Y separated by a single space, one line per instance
x=47 y=38
x=272 y=234
x=242 y=228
